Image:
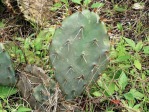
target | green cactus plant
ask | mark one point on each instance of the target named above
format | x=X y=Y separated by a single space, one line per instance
x=36 y=87
x=43 y=93
x=79 y=52
x=7 y=74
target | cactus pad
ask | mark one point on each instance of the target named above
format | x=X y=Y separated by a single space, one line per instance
x=7 y=74
x=79 y=52
x=42 y=93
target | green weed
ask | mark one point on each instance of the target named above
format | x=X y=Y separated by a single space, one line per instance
x=123 y=82
x=33 y=49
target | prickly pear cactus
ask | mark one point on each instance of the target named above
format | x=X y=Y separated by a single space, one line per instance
x=7 y=74
x=37 y=11
x=37 y=88
x=79 y=52
x=42 y=93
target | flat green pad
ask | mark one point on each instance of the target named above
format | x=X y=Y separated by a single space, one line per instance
x=79 y=52
x=7 y=74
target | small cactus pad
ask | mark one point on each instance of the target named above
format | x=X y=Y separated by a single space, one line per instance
x=79 y=52
x=42 y=93
x=7 y=74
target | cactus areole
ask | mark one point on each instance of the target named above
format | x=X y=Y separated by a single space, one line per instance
x=79 y=52
x=7 y=74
